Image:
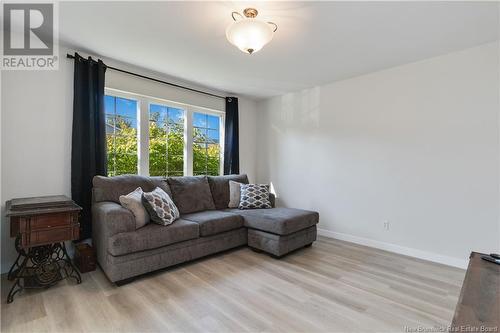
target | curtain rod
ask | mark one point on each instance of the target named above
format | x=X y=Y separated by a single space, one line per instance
x=70 y=56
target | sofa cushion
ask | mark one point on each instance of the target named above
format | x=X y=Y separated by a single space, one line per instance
x=110 y=188
x=219 y=186
x=280 y=221
x=215 y=221
x=152 y=236
x=191 y=194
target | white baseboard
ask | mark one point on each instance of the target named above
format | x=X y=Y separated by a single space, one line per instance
x=438 y=258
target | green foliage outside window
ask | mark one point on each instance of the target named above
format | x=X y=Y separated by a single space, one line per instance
x=121 y=147
x=206 y=147
x=166 y=149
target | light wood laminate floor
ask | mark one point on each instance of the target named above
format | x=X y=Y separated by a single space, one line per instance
x=333 y=286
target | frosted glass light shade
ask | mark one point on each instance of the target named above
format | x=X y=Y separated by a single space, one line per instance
x=249 y=34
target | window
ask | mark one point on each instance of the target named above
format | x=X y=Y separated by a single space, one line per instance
x=154 y=137
x=121 y=135
x=166 y=141
x=206 y=144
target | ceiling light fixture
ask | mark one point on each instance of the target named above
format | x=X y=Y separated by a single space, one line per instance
x=248 y=33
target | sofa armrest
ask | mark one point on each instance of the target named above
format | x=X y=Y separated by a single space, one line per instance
x=111 y=218
x=108 y=219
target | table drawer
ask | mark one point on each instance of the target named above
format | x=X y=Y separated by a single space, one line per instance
x=51 y=235
x=51 y=220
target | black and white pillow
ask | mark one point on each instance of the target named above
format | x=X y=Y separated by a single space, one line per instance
x=254 y=196
x=160 y=207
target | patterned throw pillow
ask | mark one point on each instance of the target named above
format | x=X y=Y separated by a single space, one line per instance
x=254 y=196
x=160 y=207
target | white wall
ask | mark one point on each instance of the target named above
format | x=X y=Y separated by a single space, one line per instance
x=416 y=145
x=36 y=120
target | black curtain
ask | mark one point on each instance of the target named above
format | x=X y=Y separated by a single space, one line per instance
x=231 y=138
x=88 y=150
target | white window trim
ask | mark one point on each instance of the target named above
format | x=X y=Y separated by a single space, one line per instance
x=143 y=103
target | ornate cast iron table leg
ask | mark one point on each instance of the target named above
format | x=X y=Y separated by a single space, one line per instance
x=41 y=267
x=17 y=287
x=16 y=266
x=69 y=268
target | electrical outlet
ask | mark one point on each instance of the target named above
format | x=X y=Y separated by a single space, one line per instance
x=386 y=225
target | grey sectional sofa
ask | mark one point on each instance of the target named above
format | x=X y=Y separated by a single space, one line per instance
x=206 y=225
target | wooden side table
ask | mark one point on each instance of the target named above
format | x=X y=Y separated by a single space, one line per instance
x=478 y=308
x=41 y=225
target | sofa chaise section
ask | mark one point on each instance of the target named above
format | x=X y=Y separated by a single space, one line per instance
x=279 y=221
x=279 y=231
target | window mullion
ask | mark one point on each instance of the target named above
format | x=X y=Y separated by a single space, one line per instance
x=143 y=137
x=114 y=138
x=167 y=130
x=188 y=142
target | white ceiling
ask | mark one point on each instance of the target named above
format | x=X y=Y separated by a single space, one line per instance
x=316 y=43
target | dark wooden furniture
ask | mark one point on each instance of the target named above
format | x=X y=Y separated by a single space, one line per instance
x=478 y=308
x=85 y=258
x=41 y=225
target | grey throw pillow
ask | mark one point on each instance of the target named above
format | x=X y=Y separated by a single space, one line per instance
x=133 y=202
x=254 y=196
x=191 y=194
x=234 y=194
x=219 y=186
x=161 y=208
